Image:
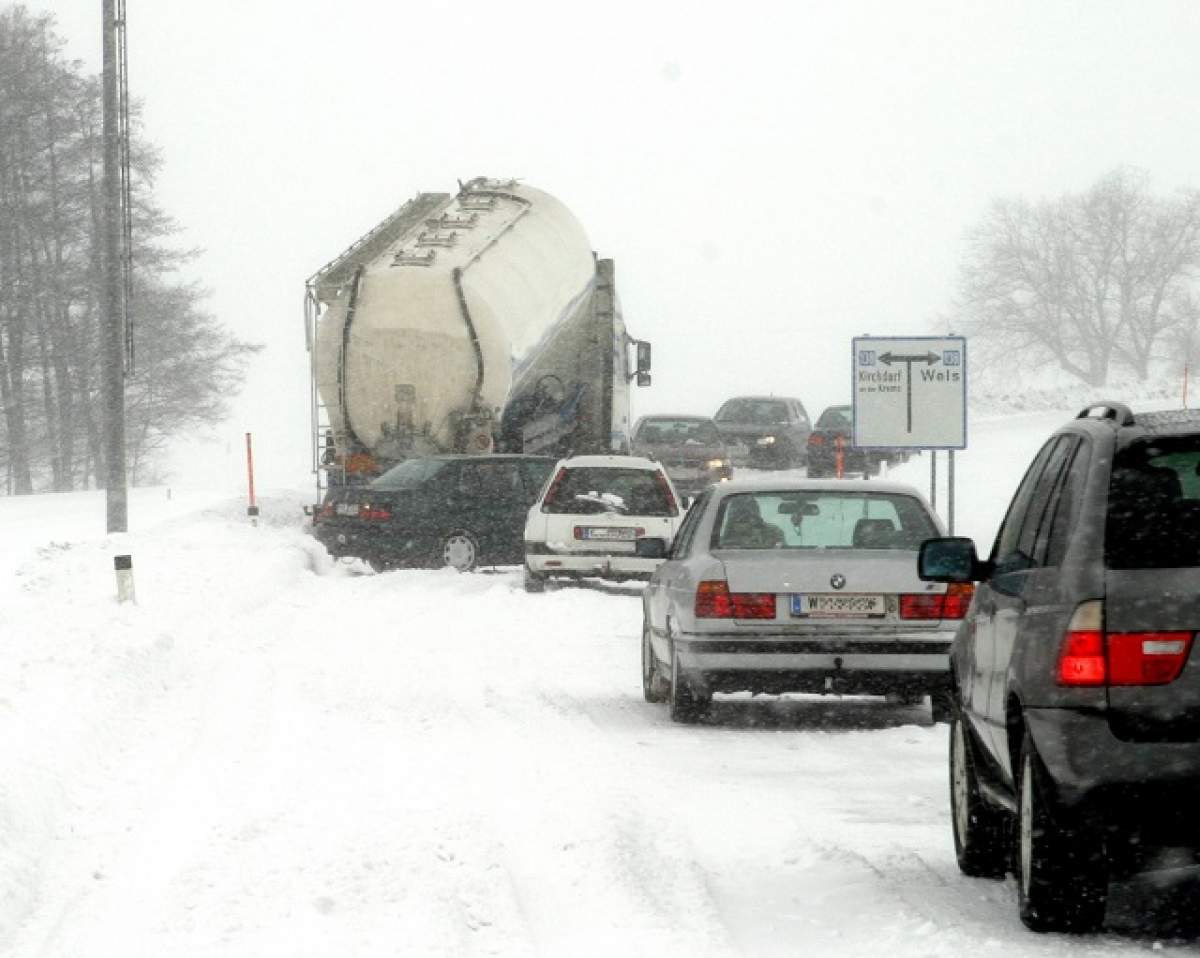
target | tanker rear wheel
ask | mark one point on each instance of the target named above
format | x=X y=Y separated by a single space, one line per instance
x=460 y=550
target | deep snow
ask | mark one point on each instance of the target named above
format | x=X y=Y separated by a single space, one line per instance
x=275 y=754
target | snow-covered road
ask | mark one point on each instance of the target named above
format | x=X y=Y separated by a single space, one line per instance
x=274 y=754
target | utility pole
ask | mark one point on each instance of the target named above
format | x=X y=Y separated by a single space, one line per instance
x=112 y=373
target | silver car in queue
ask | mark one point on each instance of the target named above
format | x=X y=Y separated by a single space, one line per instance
x=798 y=585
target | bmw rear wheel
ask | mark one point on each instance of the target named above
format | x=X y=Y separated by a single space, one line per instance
x=460 y=551
x=980 y=830
x=1062 y=880
x=684 y=702
x=654 y=687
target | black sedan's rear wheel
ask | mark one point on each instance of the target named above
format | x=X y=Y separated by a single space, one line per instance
x=980 y=830
x=460 y=550
x=1062 y=878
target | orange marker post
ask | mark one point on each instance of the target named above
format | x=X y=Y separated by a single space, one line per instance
x=252 y=509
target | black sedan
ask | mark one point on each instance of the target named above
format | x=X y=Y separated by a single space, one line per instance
x=455 y=511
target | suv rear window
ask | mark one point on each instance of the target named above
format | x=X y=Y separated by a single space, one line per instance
x=678 y=432
x=767 y=412
x=835 y=417
x=587 y=490
x=1154 y=505
x=818 y=520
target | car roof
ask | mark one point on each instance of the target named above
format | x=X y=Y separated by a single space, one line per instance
x=491 y=456
x=611 y=462
x=679 y=415
x=760 y=399
x=1105 y=417
x=766 y=484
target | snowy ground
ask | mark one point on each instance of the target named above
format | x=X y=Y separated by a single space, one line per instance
x=274 y=754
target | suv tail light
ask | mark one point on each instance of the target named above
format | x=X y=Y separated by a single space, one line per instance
x=715 y=601
x=1147 y=658
x=1089 y=656
x=951 y=604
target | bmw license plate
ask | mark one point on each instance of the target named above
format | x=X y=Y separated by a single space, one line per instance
x=828 y=605
x=609 y=533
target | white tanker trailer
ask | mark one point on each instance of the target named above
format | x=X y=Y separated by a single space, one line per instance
x=471 y=322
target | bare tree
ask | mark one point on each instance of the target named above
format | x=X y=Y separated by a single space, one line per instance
x=50 y=227
x=1085 y=281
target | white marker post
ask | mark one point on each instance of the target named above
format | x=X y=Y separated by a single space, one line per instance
x=123 y=565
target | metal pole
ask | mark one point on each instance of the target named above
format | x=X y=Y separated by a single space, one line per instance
x=112 y=372
x=933 y=478
x=950 y=492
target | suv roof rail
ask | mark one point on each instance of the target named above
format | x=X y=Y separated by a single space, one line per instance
x=1119 y=413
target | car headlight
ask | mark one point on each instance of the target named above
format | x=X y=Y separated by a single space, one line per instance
x=766 y=441
x=717 y=464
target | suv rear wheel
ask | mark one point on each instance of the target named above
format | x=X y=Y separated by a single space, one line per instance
x=1062 y=882
x=980 y=830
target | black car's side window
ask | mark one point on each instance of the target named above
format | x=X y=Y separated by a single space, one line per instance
x=536 y=473
x=682 y=547
x=490 y=481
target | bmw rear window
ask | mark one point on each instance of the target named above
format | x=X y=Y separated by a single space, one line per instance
x=1154 y=505
x=820 y=520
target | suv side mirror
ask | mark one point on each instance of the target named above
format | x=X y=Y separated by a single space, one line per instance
x=949 y=560
x=652 y=548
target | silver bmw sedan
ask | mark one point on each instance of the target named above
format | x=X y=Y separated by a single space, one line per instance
x=798 y=585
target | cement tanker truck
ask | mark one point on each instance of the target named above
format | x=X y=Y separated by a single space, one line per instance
x=471 y=322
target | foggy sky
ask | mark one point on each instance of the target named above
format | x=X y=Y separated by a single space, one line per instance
x=770 y=178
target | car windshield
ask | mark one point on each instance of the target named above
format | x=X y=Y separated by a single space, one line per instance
x=678 y=432
x=835 y=417
x=822 y=520
x=586 y=490
x=409 y=474
x=757 y=411
x=1154 y=505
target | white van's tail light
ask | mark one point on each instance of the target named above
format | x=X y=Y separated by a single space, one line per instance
x=1091 y=656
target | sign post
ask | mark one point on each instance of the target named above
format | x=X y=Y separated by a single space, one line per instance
x=911 y=393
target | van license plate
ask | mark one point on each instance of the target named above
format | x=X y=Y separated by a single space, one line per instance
x=609 y=534
x=829 y=605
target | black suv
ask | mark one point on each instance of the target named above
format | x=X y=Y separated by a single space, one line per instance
x=1075 y=731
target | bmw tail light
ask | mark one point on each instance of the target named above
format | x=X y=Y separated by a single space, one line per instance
x=715 y=601
x=958 y=599
x=951 y=604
